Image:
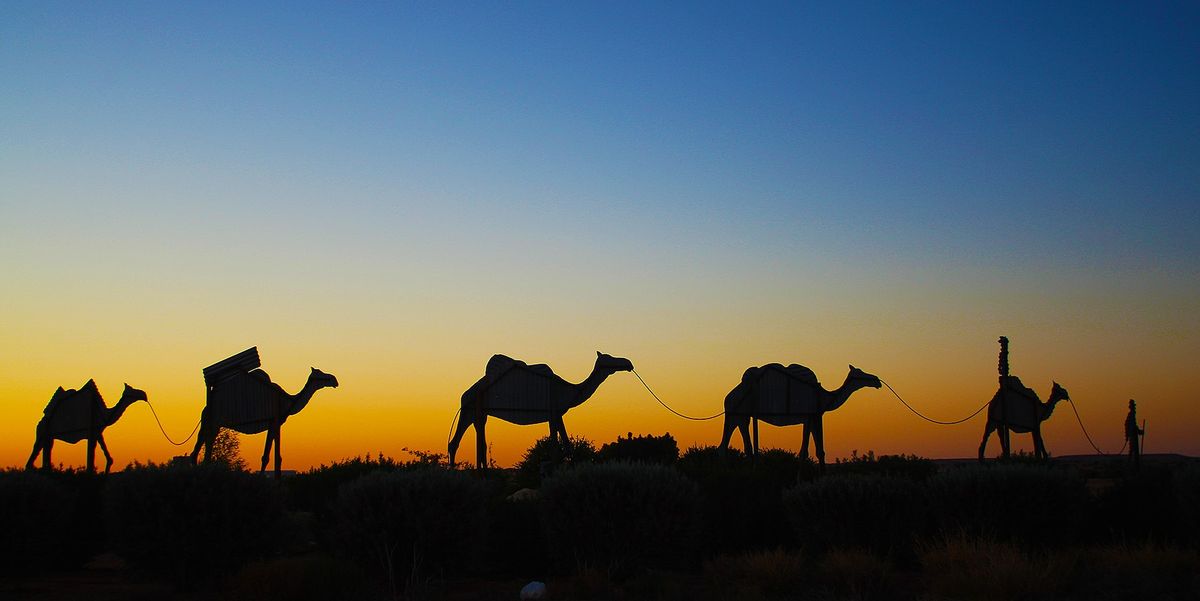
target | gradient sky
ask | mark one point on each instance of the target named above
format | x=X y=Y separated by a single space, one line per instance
x=393 y=192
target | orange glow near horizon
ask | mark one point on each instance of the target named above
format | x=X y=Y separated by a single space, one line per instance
x=387 y=406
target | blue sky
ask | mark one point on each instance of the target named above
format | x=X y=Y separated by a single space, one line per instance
x=931 y=167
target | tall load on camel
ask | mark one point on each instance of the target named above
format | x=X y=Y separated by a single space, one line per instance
x=240 y=395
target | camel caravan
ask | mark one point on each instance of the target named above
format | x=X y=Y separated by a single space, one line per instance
x=240 y=396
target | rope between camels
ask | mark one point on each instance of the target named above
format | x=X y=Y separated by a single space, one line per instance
x=929 y=419
x=1088 y=436
x=668 y=408
x=164 y=432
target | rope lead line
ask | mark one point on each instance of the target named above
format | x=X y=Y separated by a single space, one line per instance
x=928 y=419
x=1085 y=432
x=164 y=432
x=668 y=408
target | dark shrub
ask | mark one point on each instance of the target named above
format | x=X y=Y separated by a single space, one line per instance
x=316 y=489
x=192 y=524
x=872 y=512
x=620 y=516
x=1187 y=498
x=902 y=466
x=308 y=578
x=741 y=508
x=35 y=519
x=662 y=450
x=410 y=524
x=1143 y=506
x=546 y=457
x=1025 y=504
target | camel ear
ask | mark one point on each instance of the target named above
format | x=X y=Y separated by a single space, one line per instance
x=597 y=353
x=852 y=368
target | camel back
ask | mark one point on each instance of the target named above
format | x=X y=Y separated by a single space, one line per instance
x=524 y=394
x=225 y=369
x=246 y=402
x=1014 y=404
x=70 y=414
x=776 y=394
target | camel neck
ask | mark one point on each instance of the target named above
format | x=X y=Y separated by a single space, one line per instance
x=838 y=397
x=301 y=399
x=115 y=413
x=585 y=389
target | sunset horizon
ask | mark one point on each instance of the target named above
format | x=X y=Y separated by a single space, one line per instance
x=393 y=194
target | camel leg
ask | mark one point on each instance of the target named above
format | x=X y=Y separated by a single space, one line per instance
x=480 y=444
x=1039 y=446
x=744 y=430
x=278 y=453
x=46 y=464
x=726 y=433
x=91 y=456
x=107 y=456
x=460 y=429
x=987 y=432
x=804 y=442
x=754 y=428
x=267 y=449
x=819 y=441
x=202 y=435
x=37 y=449
x=1005 y=442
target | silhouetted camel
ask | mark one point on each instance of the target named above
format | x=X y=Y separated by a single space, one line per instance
x=786 y=396
x=73 y=415
x=251 y=403
x=526 y=394
x=1018 y=409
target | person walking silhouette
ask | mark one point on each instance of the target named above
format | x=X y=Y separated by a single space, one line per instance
x=1133 y=434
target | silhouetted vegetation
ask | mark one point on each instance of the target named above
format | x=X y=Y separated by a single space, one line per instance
x=619 y=517
x=192 y=524
x=410 y=524
x=547 y=456
x=614 y=524
x=662 y=450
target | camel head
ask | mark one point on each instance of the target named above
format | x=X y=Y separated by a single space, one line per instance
x=612 y=364
x=133 y=394
x=1058 y=393
x=863 y=378
x=322 y=379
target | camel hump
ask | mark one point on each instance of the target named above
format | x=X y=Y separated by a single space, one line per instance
x=498 y=365
x=1013 y=384
x=793 y=371
x=802 y=373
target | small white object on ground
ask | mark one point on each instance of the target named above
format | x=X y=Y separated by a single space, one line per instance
x=533 y=590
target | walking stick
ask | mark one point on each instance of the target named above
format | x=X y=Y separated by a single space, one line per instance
x=1142 y=446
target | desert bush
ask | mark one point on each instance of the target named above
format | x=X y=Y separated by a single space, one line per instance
x=858 y=574
x=316 y=489
x=1026 y=504
x=35 y=520
x=773 y=574
x=1148 y=506
x=902 y=466
x=546 y=457
x=408 y=525
x=662 y=450
x=1187 y=498
x=963 y=566
x=620 y=516
x=308 y=578
x=740 y=500
x=1143 y=571
x=192 y=524
x=877 y=513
